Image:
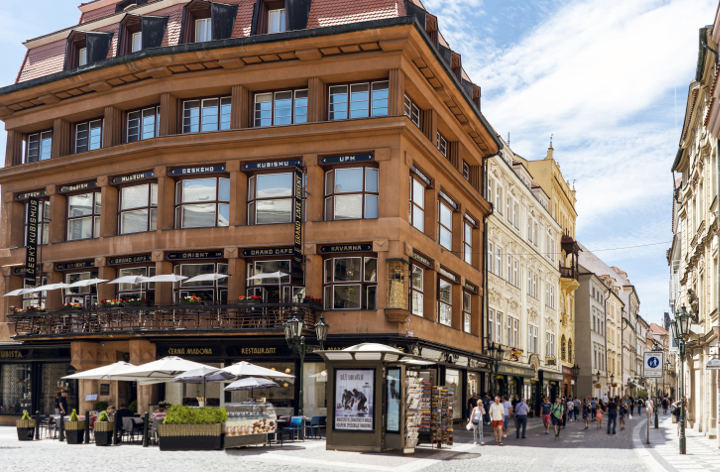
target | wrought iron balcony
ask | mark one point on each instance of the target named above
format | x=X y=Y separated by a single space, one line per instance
x=245 y=317
x=568 y=272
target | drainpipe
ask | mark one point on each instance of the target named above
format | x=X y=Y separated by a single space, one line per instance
x=484 y=246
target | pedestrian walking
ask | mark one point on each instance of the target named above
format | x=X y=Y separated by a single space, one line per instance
x=639 y=405
x=556 y=415
x=476 y=422
x=521 y=413
x=497 y=416
x=665 y=405
x=507 y=407
x=593 y=406
x=586 y=412
x=545 y=411
x=612 y=410
x=631 y=402
x=599 y=414
x=623 y=410
x=486 y=405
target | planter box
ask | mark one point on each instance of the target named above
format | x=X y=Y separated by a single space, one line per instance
x=103 y=431
x=75 y=431
x=25 y=430
x=190 y=437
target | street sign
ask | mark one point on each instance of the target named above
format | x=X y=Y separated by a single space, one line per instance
x=713 y=364
x=653 y=363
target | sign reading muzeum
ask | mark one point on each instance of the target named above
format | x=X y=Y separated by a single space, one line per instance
x=297 y=155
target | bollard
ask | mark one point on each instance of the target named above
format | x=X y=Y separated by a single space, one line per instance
x=115 y=431
x=37 y=424
x=62 y=427
x=87 y=427
x=146 y=430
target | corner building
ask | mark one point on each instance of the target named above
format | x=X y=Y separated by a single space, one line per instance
x=338 y=142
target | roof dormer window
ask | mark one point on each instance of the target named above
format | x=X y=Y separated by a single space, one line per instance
x=203 y=30
x=82 y=57
x=141 y=32
x=277 y=21
x=208 y=21
x=86 y=48
x=278 y=16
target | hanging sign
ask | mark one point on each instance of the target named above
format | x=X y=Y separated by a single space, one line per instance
x=31 y=237
x=130 y=178
x=266 y=165
x=347 y=158
x=196 y=170
x=174 y=256
x=298 y=269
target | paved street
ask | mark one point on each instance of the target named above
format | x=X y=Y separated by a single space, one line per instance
x=576 y=450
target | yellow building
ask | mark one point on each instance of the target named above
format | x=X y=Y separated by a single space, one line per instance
x=547 y=175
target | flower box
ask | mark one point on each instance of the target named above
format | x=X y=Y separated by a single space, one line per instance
x=75 y=431
x=191 y=437
x=103 y=431
x=25 y=429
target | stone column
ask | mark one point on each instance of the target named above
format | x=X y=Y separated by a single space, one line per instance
x=166 y=199
x=13 y=148
x=83 y=356
x=112 y=126
x=238 y=194
x=105 y=291
x=141 y=352
x=62 y=143
x=241 y=108
x=54 y=300
x=163 y=291
x=236 y=271
x=317 y=100
x=315 y=180
x=109 y=207
x=169 y=114
x=58 y=211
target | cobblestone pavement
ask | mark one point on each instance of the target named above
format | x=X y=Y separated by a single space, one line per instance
x=576 y=450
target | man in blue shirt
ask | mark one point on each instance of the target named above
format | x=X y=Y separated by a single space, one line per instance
x=521 y=414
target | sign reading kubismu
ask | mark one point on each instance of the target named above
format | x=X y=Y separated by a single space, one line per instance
x=31 y=237
x=653 y=365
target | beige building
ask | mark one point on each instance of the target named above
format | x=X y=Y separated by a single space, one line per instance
x=523 y=242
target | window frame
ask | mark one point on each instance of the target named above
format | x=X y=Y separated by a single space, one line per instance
x=149 y=207
x=441 y=143
x=417 y=292
x=42 y=137
x=179 y=204
x=467 y=311
x=206 y=23
x=282 y=23
x=222 y=124
x=448 y=305
x=330 y=199
x=412 y=111
x=365 y=286
x=294 y=107
x=95 y=217
x=43 y=223
x=417 y=223
x=219 y=288
x=467 y=242
x=91 y=125
x=253 y=200
x=442 y=226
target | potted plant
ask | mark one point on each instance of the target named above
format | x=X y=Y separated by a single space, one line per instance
x=74 y=429
x=192 y=429
x=25 y=427
x=103 y=430
x=191 y=300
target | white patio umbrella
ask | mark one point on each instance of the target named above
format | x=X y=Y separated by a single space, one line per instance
x=166 y=278
x=271 y=275
x=246 y=369
x=206 y=278
x=86 y=283
x=250 y=383
x=203 y=375
x=48 y=287
x=18 y=291
x=102 y=373
x=130 y=279
x=159 y=371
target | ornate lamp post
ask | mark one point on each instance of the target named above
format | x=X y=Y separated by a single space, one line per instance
x=681 y=332
x=296 y=340
x=496 y=353
x=612 y=382
x=576 y=372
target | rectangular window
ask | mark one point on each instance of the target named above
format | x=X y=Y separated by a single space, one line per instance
x=445 y=217
x=350 y=283
x=351 y=193
x=467 y=311
x=88 y=135
x=441 y=144
x=490 y=258
x=82 y=57
x=416 y=290
x=270 y=198
x=202 y=203
x=490 y=187
x=417 y=203
x=498 y=327
x=38 y=146
x=499 y=202
x=359 y=100
x=143 y=124
x=516 y=273
x=467 y=243
x=43 y=222
x=83 y=216
x=509 y=209
x=532 y=339
x=207 y=114
x=281 y=108
x=491 y=325
x=203 y=30
x=277 y=21
x=411 y=110
x=509 y=271
x=138 y=208
x=444 y=302
x=136 y=42
x=466 y=170
x=549 y=345
x=498 y=261
x=208 y=291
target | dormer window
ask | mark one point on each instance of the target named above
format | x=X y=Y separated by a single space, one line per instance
x=86 y=48
x=203 y=30
x=208 y=21
x=141 y=32
x=136 y=42
x=82 y=57
x=277 y=21
x=278 y=16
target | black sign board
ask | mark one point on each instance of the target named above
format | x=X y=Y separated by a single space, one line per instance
x=267 y=165
x=27 y=195
x=268 y=251
x=347 y=158
x=189 y=255
x=64 y=266
x=77 y=187
x=18 y=270
x=470 y=287
x=196 y=170
x=424 y=260
x=449 y=275
x=130 y=178
x=341 y=248
x=104 y=389
x=298 y=268
x=124 y=260
x=31 y=236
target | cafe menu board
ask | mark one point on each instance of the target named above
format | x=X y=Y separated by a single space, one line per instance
x=354 y=397
x=394 y=399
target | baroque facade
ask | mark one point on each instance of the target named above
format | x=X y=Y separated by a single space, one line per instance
x=523 y=242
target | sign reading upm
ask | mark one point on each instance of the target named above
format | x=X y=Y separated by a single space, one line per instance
x=653 y=365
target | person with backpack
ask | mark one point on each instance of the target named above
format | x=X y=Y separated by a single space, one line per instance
x=476 y=422
x=557 y=411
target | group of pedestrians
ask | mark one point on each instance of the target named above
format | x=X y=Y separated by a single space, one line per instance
x=497 y=412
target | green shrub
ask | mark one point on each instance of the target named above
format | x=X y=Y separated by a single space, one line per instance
x=179 y=414
x=25 y=416
x=103 y=416
x=133 y=406
x=74 y=416
x=100 y=406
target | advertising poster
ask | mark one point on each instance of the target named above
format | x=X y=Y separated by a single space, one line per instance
x=354 y=396
x=393 y=400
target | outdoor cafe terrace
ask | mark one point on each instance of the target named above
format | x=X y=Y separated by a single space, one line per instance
x=245 y=316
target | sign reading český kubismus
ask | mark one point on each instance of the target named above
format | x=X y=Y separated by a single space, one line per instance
x=653 y=364
x=31 y=236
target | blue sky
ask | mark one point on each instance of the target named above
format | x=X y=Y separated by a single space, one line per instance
x=608 y=79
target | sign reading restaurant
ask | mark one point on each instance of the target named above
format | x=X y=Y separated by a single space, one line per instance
x=174 y=256
x=136 y=177
x=340 y=248
x=347 y=158
x=196 y=170
x=265 y=165
x=78 y=187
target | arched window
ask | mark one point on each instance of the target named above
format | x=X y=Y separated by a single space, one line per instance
x=562 y=348
x=570 y=350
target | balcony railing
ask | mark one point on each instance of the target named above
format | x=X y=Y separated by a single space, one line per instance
x=161 y=319
x=568 y=272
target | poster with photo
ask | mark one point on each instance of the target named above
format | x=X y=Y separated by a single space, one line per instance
x=393 y=400
x=354 y=399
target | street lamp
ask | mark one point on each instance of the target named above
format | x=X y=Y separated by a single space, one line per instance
x=496 y=353
x=576 y=372
x=681 y=332
x=296 y=340
x=612 y=381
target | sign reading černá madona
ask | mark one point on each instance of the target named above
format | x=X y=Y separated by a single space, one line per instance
x=267 y=251
x=31 y=236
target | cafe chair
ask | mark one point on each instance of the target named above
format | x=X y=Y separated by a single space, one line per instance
x=296 y=426
x=315 y=427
